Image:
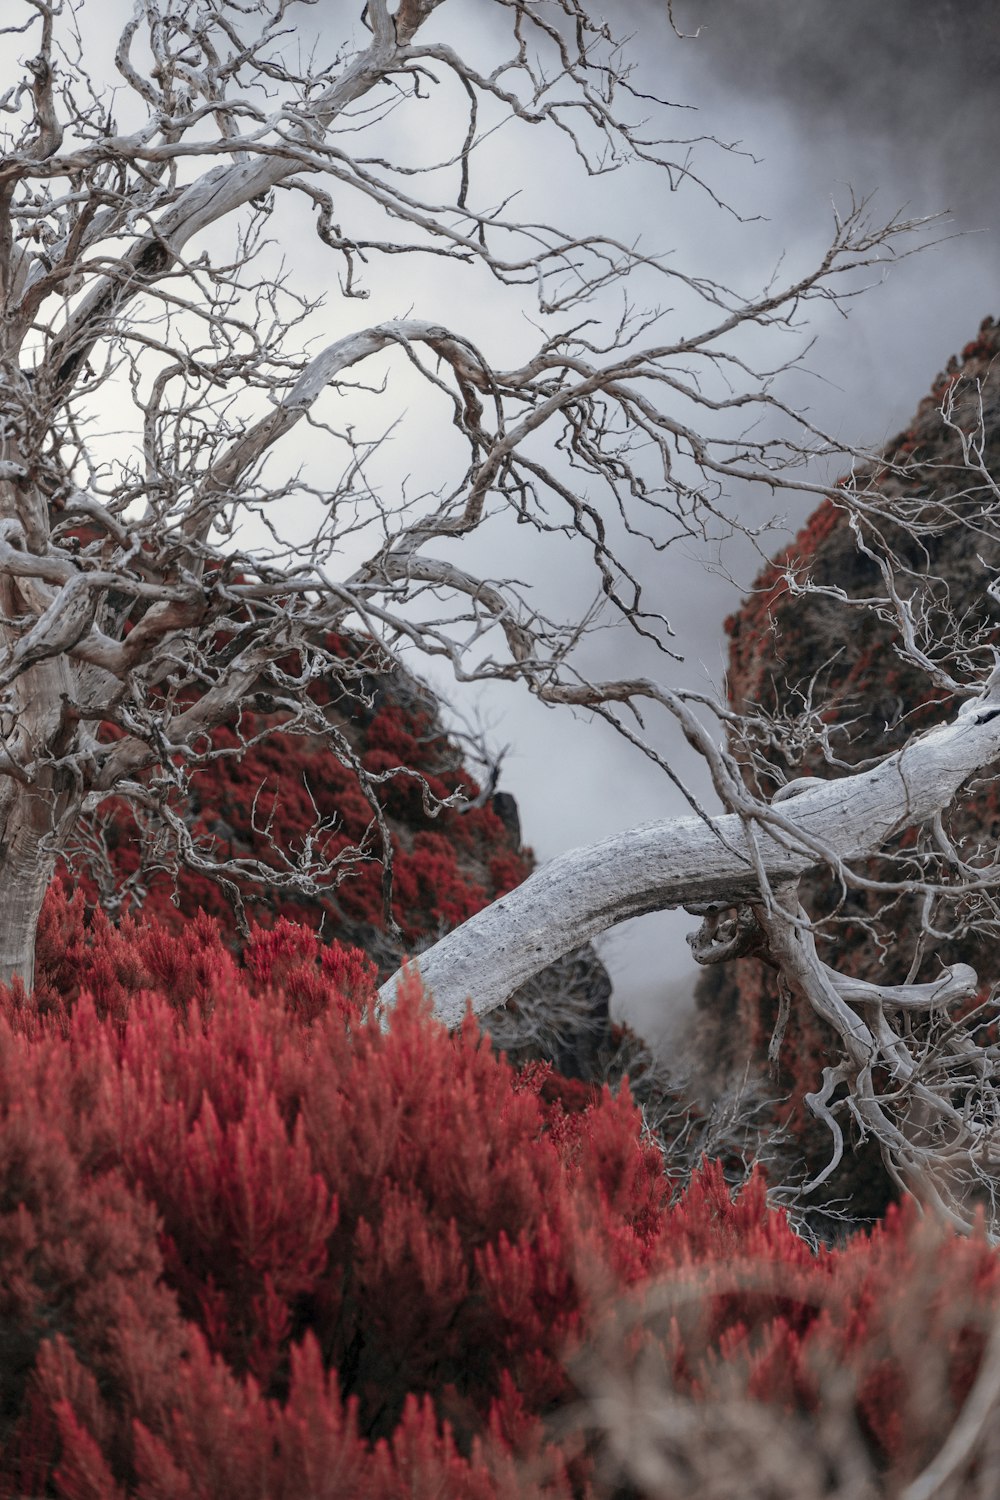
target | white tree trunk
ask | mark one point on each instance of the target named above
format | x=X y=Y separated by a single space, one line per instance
x=585 y=892
x=40 y=803
x=26 y=866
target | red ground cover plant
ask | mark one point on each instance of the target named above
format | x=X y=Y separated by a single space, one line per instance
x=252 y=1244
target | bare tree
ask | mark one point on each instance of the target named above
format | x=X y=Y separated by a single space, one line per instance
x=157 y=356
x=913 y=1059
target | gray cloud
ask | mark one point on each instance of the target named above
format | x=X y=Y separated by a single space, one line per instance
x=916 y=78
x=892 y=97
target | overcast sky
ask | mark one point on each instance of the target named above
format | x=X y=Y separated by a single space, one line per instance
x=896 y=98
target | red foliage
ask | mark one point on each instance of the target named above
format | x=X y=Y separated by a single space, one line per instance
x=447 y=866
x=252 y=1243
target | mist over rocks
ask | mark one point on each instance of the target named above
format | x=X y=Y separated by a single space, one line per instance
x=897 y=102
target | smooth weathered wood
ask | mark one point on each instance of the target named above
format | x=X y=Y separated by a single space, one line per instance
x=585 y=892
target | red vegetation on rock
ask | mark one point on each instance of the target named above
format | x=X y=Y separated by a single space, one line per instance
x=253 y=1244
x=790 y=652
x=448 y=861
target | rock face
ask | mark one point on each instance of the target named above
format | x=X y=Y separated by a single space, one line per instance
x=822 y=665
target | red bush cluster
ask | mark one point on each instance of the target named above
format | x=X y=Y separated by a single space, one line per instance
x=253 y=1244
x=446 y=865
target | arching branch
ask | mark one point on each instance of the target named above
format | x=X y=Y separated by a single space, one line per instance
x=579 y=895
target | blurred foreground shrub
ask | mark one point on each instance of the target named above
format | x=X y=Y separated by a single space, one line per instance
x=251 y=1244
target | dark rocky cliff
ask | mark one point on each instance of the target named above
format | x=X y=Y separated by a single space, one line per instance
x=818 y=664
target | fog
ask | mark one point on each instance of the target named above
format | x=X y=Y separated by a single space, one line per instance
x=898 y=100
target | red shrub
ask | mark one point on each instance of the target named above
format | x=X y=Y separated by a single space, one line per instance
x=251 y=1243
x=447 y=865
